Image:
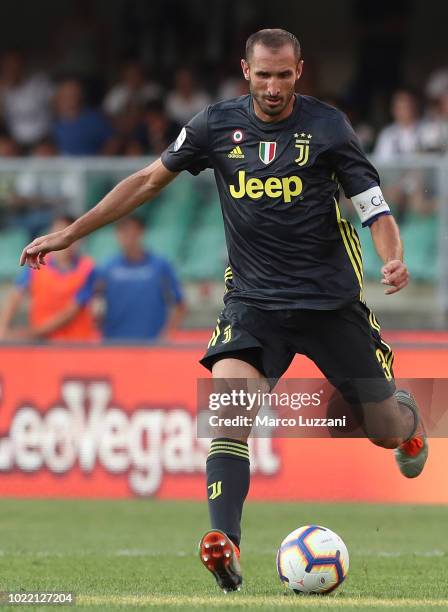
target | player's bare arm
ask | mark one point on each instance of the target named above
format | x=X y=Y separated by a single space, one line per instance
x=59 y=320
x=374 y=211
x=9 y=310
x=386 y=238
x=130 y=193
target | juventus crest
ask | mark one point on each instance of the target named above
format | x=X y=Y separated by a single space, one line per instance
x=303 y=144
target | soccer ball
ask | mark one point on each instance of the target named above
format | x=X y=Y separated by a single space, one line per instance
x=312 y=559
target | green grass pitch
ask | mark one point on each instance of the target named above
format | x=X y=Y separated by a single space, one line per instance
x=140 y=553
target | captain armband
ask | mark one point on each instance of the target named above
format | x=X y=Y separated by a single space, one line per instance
x=370 y=204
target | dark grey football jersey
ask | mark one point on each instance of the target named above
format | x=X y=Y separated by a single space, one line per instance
x=278 y=184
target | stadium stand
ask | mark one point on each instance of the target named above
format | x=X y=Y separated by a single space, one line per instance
x=12 y=242
x=419 y=235
x=205 y=254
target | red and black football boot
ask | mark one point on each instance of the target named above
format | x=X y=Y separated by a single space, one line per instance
x=222 y=558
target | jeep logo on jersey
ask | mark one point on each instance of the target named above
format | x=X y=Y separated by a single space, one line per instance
x=267 y=151
x=273 y=187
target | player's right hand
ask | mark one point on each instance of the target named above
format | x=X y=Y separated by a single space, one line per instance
x=33 y=255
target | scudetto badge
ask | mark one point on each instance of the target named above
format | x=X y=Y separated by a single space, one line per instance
x=267 y=151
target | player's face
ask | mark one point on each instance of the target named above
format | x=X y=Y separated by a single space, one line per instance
x=272 y=75
x=130 y=236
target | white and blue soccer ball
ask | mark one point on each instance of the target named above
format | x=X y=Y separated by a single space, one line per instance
x=312 y=559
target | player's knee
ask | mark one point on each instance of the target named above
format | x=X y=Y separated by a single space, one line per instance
x=237 y=436
x=383 y=423
x=232 y=368
x=387 y=442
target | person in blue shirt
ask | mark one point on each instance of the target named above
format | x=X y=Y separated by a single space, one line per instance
x=143 y=297
x=77 y=129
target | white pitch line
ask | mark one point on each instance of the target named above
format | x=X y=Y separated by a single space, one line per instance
x=130 y=552
x=398 y=553
x=238 y=600
x=143 y=552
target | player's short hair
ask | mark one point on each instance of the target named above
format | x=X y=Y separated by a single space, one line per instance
x=273 y=39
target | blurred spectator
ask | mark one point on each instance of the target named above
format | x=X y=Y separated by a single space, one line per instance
x=132 y=91
x=364 y=130
x=435 y=126
x=232 y=87
x=79 y=130
x=366 y=135
x=8 y=146
x=143 y=298
x=185 y=100
x=437 y=84
x=160 y=131
x=129 y=132
x=39 y=193
x=134 y=149
x=59 y=295
x=403 y=136
x=45 y=148
x=141 y=131
x=25 y=100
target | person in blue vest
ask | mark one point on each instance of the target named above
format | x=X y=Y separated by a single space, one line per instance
x=142 y=296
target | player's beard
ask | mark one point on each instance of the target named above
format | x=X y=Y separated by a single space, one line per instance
x=269 y=110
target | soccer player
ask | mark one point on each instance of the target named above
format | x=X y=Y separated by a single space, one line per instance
x=294 y=281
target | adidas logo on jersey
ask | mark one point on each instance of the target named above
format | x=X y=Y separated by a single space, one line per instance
x=236 y=153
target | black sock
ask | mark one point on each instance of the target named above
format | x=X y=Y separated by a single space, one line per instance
x=228 y=477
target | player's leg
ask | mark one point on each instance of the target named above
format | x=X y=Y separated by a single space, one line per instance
x=228 y=476
x=228 y=464
x=243 y=351
x=412 y=454
x=411 y=448
x=347 y=346
x=387 y=423
x=395 y=423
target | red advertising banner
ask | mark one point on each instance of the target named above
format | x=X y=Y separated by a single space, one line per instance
x=120 y=422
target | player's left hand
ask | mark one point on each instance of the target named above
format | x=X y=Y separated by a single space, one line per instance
x=395 y=276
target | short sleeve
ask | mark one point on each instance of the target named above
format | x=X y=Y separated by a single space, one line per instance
x=354 y=171
x=102 y=273
x=190 y=149
x=23 y=279
x=85 y=293
x=171 y=286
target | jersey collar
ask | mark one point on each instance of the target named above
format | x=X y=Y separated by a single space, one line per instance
x=276 y=125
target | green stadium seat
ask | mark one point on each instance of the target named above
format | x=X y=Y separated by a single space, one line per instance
x=419 y=235
x=206 y=259
x=102 y=244
x=96 y=188
x=166 y=240
x=179 y=204
x=420 y=242
x=170 y=218
x=371 y=262
x=206 y=251
x=12 y=242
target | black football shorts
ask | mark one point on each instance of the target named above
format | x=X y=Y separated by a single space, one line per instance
x=345 y=344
